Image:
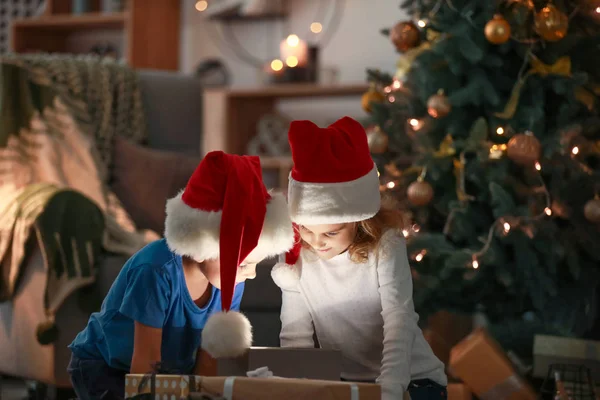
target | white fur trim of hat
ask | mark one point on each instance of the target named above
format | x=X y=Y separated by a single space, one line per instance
x=334 y=203
x=195 y=233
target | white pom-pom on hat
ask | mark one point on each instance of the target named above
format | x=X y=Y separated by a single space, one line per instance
x=286 y=273
x=227 y=334
x=286 y=276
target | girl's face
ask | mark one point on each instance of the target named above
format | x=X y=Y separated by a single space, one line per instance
x=211 y=269
x=328 y=240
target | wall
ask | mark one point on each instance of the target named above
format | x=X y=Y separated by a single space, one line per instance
x=356 y=46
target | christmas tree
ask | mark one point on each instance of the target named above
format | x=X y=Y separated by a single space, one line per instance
x=496 y=103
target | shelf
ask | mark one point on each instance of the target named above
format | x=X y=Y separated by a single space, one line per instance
x=68 y=22
x=250 y=18
x=294 y=90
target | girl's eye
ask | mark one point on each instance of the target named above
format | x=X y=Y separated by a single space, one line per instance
x=330 y=234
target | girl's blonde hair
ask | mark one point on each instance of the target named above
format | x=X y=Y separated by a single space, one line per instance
x=369 y=231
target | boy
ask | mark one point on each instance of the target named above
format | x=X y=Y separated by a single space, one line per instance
x=167 y=300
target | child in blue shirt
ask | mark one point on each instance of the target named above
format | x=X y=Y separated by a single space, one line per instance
x=183 y=292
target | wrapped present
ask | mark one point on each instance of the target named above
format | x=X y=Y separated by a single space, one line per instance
x=178 y=387
x=444 y=329
x=548 y=350
x=498 y=379
x=459 y=391
x=159 y=386
x=308 y=363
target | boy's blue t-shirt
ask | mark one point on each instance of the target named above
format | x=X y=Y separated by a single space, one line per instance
x=150 y=289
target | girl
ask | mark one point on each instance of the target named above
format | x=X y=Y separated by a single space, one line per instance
x=348 y=278
x=167 y=298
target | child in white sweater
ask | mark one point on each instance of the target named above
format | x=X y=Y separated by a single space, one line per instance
x=348 y=277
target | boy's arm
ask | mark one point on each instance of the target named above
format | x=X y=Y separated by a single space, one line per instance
x=146 y=348
x=145 y=301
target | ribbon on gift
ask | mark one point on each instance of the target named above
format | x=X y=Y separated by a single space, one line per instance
x=230 y=381
x=504 y=389
x=161 y=369
x=561 y=67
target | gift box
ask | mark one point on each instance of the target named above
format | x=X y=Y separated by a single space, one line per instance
x=459 y=391
x=548 y=350
x=308 y=363
x=482 y=365
x=178 y=387
x=444 y=329
x=159 y=385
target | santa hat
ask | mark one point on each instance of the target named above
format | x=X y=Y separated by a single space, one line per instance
x=226 y=212
x=334 y=180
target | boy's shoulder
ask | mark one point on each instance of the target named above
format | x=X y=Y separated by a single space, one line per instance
x=157 y=251
x=154 y=255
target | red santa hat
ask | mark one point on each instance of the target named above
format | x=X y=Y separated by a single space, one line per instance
x=334 y=180
x=226 y=212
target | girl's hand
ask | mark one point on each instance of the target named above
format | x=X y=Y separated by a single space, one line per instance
x=147 y=342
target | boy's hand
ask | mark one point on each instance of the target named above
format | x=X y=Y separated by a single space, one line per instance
x=147 y=342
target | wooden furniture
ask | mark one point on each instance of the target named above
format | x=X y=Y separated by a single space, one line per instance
x=150 y=30
x=231 y=116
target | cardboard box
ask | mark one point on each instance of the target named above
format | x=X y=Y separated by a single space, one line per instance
x=239 y=388
x=548 y=350
x=482 y=365
x=444 y=330
x=307 y=363
x=459 y=391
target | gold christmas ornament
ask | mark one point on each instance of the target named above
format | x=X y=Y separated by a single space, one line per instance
x=524 y=149
x=438 y=105
x=420 y=193
x=497 y=30
x=551 y=23
x=591 y=210
x=405 y=36
x=371 y=96
x=377 y=139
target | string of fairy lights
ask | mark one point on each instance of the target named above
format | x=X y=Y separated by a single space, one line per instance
x=523 y=148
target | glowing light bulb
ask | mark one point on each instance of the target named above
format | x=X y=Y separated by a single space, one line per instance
x=500 y=130
x=416 y=228
x=387 y=89
x=201 y=5
x=391 y=185
x=293 y=40
x=538 y=166
x=575 y=150
x=422 y=23
x=316 y=27
x=392 y=99
x=419 y=257
x=506 y=227
x=548 y=211
x=405 y=232
x=414 y=122
x=397 y=84
x=291 y=61
x=276 y=65
x=597 y=10
x=475 y=263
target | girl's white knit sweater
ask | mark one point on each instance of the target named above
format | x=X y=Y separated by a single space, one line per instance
x=366 y=311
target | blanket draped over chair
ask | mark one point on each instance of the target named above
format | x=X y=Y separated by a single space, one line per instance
x=59 y=116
